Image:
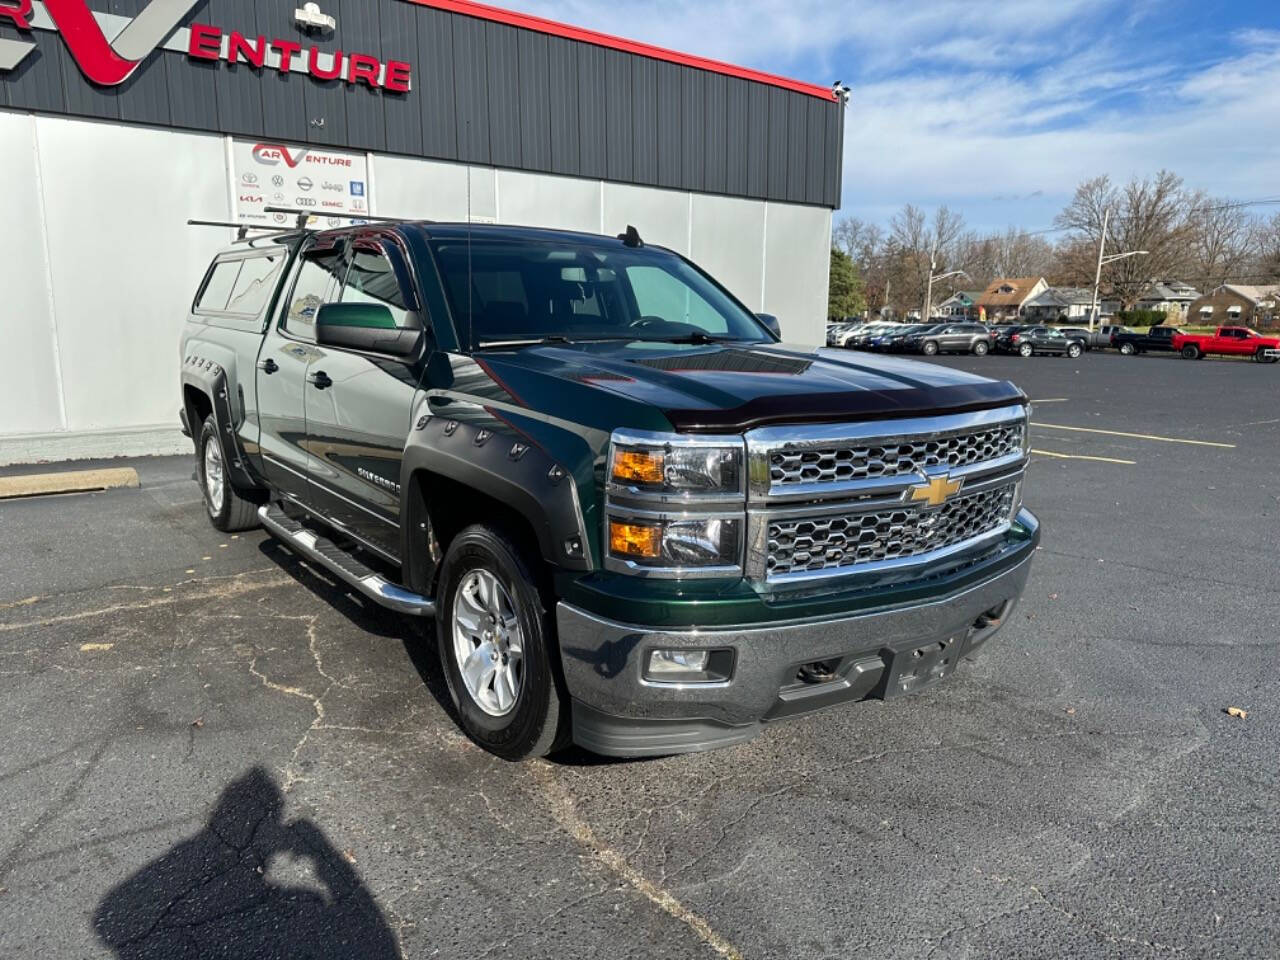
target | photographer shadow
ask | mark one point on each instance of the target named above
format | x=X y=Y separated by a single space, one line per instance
x=247 y=885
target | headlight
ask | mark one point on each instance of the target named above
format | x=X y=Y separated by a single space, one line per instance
x=675 y=505
x=680 y=465
x=676 y=543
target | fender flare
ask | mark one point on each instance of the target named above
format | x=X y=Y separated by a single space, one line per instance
x=210 y=369
x=476 y=449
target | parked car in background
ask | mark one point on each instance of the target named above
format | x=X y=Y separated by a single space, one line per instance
x=1080 y=333
x=1006 y=338
x=1031 y=341
x=1228 y=342
x=861 y=338
x=838 y=332
x=1101 y=337
x=951 y=338
x=895 y=341
x=1157 y=340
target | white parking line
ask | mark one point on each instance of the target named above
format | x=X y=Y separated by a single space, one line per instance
x=1080 y=456
x=1135 y=436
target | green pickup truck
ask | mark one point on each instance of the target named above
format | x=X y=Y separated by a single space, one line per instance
x=630 y=516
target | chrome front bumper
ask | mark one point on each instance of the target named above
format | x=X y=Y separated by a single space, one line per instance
x=879 y=654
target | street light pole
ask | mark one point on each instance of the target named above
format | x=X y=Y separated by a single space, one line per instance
x=1097 y=279
x=1103 y=261
x=928 y=288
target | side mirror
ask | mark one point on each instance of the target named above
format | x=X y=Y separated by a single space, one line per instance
x=364 y=326
x=771 y=322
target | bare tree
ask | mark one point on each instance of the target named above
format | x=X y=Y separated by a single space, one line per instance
x=1266 y=263
x=1222 y=237
x=866 y=245
x=918 y=246
x=1152 y=214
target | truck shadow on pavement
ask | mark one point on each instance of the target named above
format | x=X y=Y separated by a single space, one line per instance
x=248 y=885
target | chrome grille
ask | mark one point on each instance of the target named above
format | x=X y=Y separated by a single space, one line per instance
x=893 y=457
x=832 y=542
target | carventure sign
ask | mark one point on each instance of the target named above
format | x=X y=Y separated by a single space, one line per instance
x=110 y=63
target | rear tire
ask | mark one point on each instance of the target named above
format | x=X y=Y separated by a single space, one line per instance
x=1026 y=350
x=228 y=511
x=1128 y=349
x=981 y=348
x=1190 y=352
x=930 y=349
x=512 y=705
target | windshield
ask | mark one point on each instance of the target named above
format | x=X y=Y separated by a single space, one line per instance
x=514 y=290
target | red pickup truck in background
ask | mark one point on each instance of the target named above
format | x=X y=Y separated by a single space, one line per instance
x=1228 y=342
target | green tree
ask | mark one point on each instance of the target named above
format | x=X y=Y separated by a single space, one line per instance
x=845 y=295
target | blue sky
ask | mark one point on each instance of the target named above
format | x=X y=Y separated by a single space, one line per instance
x=999 y=109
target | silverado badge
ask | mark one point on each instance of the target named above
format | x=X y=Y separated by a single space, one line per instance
x=935 y=491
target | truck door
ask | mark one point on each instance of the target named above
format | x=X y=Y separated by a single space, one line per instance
x=358 y=406
x=287 y=350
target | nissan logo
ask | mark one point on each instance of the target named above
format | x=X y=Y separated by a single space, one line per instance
x=305 y=183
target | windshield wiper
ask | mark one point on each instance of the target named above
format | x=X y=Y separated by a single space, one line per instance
x=698 y=337
x=539 y=341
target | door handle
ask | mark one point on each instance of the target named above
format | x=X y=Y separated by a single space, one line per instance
x=320 y=380
x=268 y=366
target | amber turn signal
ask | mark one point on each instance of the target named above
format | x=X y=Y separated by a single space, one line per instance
x=635 y=540
x=638 y=466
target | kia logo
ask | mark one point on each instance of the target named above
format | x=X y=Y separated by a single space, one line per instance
x=106 y=63
x=305 y=183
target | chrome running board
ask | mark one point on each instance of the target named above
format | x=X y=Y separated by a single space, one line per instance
x=343 y=565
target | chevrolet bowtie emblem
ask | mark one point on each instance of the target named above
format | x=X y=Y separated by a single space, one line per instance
x=935 y=491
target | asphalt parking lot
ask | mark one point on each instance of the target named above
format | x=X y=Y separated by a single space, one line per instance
x=211 y=751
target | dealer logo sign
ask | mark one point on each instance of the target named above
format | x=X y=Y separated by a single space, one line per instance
x=111 y=63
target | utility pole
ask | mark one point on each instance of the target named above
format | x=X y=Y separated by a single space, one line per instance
x=1097 y=278
x=928 y=288
x=1102 y=261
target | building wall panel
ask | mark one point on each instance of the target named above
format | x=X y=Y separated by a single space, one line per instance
x=30 y=399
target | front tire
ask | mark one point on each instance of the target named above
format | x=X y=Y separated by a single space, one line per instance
x=496 y=637
x=1026 y=350
x=930 y=349
x=1128 y=349
x=981 y=348
x=228 y=511
x=1074 y=351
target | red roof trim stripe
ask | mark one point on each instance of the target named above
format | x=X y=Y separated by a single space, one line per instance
x=529 y=22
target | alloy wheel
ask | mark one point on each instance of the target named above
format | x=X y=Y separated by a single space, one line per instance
x=214 y=476
x=488 y=642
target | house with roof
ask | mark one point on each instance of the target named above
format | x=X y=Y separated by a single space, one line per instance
x=1169 y=296
x=1059 y=305
x=1003 y=300
x=1237 y=304
x=961 y=305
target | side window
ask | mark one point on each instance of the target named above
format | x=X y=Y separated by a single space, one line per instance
x=372 y=279
x=659 y=294
x=258 y=277
x=316 y=284
x=218 y=286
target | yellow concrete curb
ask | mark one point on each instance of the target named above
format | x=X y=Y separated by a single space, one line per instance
x=76 y=481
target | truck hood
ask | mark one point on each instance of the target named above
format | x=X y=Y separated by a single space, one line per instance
x=734 y=387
